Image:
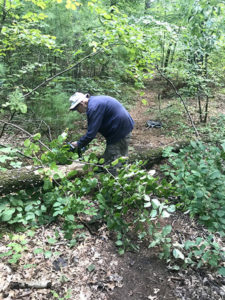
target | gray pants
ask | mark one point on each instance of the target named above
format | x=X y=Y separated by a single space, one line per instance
x=113 y=151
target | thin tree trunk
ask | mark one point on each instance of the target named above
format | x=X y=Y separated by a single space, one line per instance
x=147 y=5
x=199 y=107
x=168 y=53
x=4 y=14
x=206 y=109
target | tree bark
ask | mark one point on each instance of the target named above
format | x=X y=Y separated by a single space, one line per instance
x=26 y=177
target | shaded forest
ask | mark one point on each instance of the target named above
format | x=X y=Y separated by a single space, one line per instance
x=69 y=228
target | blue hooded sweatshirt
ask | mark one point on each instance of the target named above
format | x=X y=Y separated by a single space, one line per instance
x=107 y=116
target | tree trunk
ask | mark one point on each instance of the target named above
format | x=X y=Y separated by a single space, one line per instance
x=147 y=4
x=18 y=179
x=4 y=14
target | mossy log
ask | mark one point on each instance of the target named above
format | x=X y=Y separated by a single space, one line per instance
x=16 y=179
x=154 y=155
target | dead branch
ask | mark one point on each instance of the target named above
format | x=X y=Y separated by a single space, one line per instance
x=182 y=100
x=62 y=72
x=30 y=284
x=30 y=135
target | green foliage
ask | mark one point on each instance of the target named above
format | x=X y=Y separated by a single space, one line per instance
x=25 y=208
x=15 y=249
x=16 y=102
x=129 y=201
x=197 y=171
x=197 y=253
x=9 y=158
x=52 y=108
x=204 y=251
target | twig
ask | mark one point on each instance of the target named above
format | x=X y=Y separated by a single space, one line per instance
x=17 y=151
x=30 y=135
x=3 y=127
x=24 y=295
x=182 y=100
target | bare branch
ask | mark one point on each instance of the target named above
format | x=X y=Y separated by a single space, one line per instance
x=30 y=135
x=62 y=72
x=182 y=100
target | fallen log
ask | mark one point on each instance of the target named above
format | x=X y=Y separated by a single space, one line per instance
x=17 y=179
x=26 y=177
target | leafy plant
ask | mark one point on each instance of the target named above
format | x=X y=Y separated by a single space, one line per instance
x=16 y=249
x=197 y=172
x=197 y=253
x=9 y=157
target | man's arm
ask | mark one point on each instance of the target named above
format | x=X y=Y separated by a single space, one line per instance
x=94 y=123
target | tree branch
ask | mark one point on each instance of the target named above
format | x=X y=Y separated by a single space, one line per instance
x=62 y=72
x=182 y=100
x=30 y=135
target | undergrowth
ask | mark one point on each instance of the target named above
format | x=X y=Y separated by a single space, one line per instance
x=131 y=203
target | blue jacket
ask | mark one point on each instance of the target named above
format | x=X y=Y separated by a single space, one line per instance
x=107 y=116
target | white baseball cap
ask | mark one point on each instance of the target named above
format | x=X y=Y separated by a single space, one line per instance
x=76 y=99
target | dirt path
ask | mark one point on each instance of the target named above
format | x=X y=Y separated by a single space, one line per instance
x=142 y=136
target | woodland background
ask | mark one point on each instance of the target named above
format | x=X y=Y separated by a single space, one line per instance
x=163 y=59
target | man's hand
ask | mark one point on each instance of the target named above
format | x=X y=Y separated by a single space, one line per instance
x=75 y=144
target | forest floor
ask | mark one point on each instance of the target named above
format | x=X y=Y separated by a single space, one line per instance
x=93 y=270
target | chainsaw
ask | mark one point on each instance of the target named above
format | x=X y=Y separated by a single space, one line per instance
x=76 y=149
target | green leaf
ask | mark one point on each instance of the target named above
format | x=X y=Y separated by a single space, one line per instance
x=121 y=251
x=178 y=254
x=47 y=254
x=221 y=271
x=52 y=241
x=165 y=214
x=29 y=266
x=171 y=208
x=147 y=198
x=37 y=136
x=119 y=243
x=223 y=146
x=115 y=162
x=189 y=244
x=27 y=143
x=101 y=161
x=204 y=218
x=38 y=250
x=7 y=215
x=155 y=203
x=144 y=102
x=153 y=213
x=220 y=213
x=91 y=268
x=70 y=218
x=166 y=230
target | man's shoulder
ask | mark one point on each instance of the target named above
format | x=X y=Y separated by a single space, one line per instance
x=100 y=100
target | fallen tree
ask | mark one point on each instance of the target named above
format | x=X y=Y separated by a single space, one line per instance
x=17 y=179
x=26 y=177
